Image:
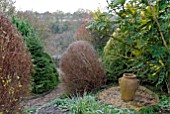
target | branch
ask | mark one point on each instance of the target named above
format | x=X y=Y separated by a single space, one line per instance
x=163 y=39
x=122 y=42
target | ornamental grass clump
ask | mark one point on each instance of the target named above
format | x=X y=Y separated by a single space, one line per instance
x=15 y=68
x=81 y=69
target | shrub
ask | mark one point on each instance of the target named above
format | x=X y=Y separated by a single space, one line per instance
x=44 y=75
x=15 y=67
x=81 y=67
x=116 y=64
x=143 y=29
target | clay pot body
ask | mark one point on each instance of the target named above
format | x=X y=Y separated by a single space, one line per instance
x=128 y=86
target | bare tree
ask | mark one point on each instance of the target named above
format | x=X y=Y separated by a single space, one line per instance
x=7 y=7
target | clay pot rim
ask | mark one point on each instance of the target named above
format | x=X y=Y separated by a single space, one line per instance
x=129 y=75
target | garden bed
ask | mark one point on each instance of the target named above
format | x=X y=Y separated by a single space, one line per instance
x=143 y=98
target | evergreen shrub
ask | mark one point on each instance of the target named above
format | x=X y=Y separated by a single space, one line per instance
x=139 y=40
x=44 y=74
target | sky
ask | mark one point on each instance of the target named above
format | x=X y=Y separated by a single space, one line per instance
x=62 y=5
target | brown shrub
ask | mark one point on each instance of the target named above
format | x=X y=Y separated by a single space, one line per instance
x=15 y=66
x=80 y=68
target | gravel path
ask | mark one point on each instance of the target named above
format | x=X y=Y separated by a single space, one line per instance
x=52 y=110
x=36 y=102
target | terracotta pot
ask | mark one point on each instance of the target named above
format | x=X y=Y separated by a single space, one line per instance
x=128 y=86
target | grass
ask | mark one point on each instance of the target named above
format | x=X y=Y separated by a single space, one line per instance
x=86 y=104
x=163 y=107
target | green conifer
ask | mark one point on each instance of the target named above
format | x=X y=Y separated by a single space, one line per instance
x=44 y=74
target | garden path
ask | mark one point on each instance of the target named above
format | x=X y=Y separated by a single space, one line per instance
x=36 y=102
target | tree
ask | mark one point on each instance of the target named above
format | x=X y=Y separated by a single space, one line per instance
x=40 y=25
x=7 y=7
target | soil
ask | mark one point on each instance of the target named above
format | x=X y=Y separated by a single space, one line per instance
x=36 y=102
x=143 y=97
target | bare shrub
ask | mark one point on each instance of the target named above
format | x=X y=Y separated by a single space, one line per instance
x=15 y=66
x=81 y=69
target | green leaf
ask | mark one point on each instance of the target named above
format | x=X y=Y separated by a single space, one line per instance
x=164 y=26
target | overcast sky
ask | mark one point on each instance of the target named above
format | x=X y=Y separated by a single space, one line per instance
x=63 y=5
